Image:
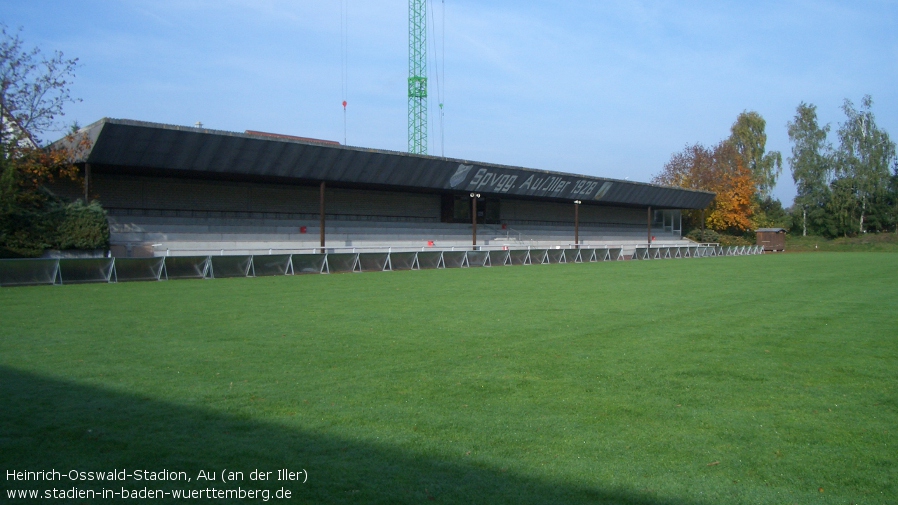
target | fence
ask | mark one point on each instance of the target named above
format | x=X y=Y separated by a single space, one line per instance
x=32 y=272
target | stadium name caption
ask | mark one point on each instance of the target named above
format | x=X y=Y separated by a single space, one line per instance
x=111 y=475
x=281 y=475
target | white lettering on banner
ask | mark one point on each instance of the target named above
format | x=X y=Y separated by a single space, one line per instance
x=584 y=187
x=551 y=184
x=486 y=180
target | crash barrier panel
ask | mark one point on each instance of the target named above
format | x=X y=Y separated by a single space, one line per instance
x=455 y=259
x=500 y=258
x=185 y=267
x=84 y=270
x=478 y=258
x=30 y=272
x=403 y=261
x=430 y=259
x=272 y=265
x=138 y=269
x=342 y=262
x=538 y=256
x=374 y=262
x=615 y=253
x=230 y=266
x=308 y=263
x=519 y=257
x=555 y=256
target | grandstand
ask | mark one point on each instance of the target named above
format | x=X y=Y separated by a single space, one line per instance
x=185 y=191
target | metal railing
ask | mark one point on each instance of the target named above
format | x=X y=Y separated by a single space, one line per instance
x=29 y=272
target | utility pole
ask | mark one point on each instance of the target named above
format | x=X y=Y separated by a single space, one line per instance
x=474 y=197
x=417 y=76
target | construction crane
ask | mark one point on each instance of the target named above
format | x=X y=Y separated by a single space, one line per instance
x=417 y=76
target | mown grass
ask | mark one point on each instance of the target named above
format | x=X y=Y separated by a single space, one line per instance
x=762 y=379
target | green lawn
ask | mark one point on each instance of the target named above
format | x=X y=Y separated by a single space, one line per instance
x=756 y=379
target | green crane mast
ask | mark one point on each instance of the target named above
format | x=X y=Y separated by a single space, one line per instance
x=417 y=77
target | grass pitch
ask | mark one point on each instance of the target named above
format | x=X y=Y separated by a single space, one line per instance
x=759 y=379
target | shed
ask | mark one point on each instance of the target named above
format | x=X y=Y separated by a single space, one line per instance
x=773 y=239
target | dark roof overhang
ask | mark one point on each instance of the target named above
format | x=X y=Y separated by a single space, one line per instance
x=141 y=147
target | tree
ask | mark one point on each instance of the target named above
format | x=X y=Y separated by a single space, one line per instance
x=734 y=184
x=842 y=208
x=748 y=137
x=864 y=157
x=893 y=196
x=720 y=170
x=811 y=164
x=33 y=90
x=691 y=168
x=771 y=214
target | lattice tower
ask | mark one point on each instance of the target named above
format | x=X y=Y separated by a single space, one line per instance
x=417 y=76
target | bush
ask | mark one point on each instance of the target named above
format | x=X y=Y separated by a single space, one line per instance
x=25 y=234
x=28 y=232
x=734 y=240
x=709 y=236
x=83 y=227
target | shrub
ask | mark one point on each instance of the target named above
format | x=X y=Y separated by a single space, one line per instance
x=28 y=232
x=709 y=236
x=83 y=227
x=733 y=240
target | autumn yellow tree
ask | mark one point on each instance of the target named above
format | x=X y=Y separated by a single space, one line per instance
x=720 y=169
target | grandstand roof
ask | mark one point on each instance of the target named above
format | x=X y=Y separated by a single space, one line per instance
x=142 y=147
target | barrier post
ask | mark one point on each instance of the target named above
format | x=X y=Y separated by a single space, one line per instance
x=321 y=212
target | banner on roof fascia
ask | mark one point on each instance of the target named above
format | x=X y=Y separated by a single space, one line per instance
x=512 y=182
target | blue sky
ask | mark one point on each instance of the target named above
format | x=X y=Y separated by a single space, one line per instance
x=603 y=88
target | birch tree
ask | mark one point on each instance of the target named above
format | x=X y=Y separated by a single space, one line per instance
x=865 y=155
x=749 y=138
x=810 y=163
